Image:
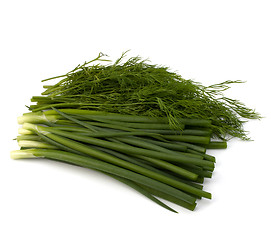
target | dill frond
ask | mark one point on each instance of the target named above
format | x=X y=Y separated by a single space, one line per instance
x=136 y=87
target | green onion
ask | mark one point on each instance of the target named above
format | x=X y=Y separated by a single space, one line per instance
x=215 y=145
x=108 y=158
x=123 y=148
x=188 y=138
x=150 y=154
x=102 y=166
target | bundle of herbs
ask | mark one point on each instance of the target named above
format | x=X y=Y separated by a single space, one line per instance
x=138 y=123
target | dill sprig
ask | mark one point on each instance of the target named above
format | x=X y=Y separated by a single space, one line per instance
x=136 y=87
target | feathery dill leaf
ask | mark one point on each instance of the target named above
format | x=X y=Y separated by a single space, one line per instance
x=137 y=87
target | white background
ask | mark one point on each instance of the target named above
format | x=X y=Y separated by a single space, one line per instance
x=208 y=41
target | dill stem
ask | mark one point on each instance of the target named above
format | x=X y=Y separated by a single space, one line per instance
x=47 y=79
x=36 y=109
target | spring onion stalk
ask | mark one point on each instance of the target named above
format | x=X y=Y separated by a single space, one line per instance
x=169 y=145
x=147 y=145
x=127 y=118
x=123 y=148
x=37 y=118
x=188 y=138
x=216 y=145
x=101 y=166
x=23 y=131
x=192 y=155
x=128 y=182
x=137 y=125
x=149 y=191
x=170 y=198
x=191 y=146
x=108 y=158
x=34 y=144
x=151 y=146
x=146 y=164
x=59 y=145
x=196 y=132
x=160 y=163
x=137 y=122
x=32 y=137
x=43 y=118
x=205 y=156
x=105 y=133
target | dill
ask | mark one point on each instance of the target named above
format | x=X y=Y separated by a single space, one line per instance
x=136 y=87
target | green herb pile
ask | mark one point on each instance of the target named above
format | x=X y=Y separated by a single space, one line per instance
x=138 y=123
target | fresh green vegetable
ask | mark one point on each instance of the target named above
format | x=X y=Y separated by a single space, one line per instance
x=104 y=167
x=151 y=157
x=138 y=123
x=138 y=88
